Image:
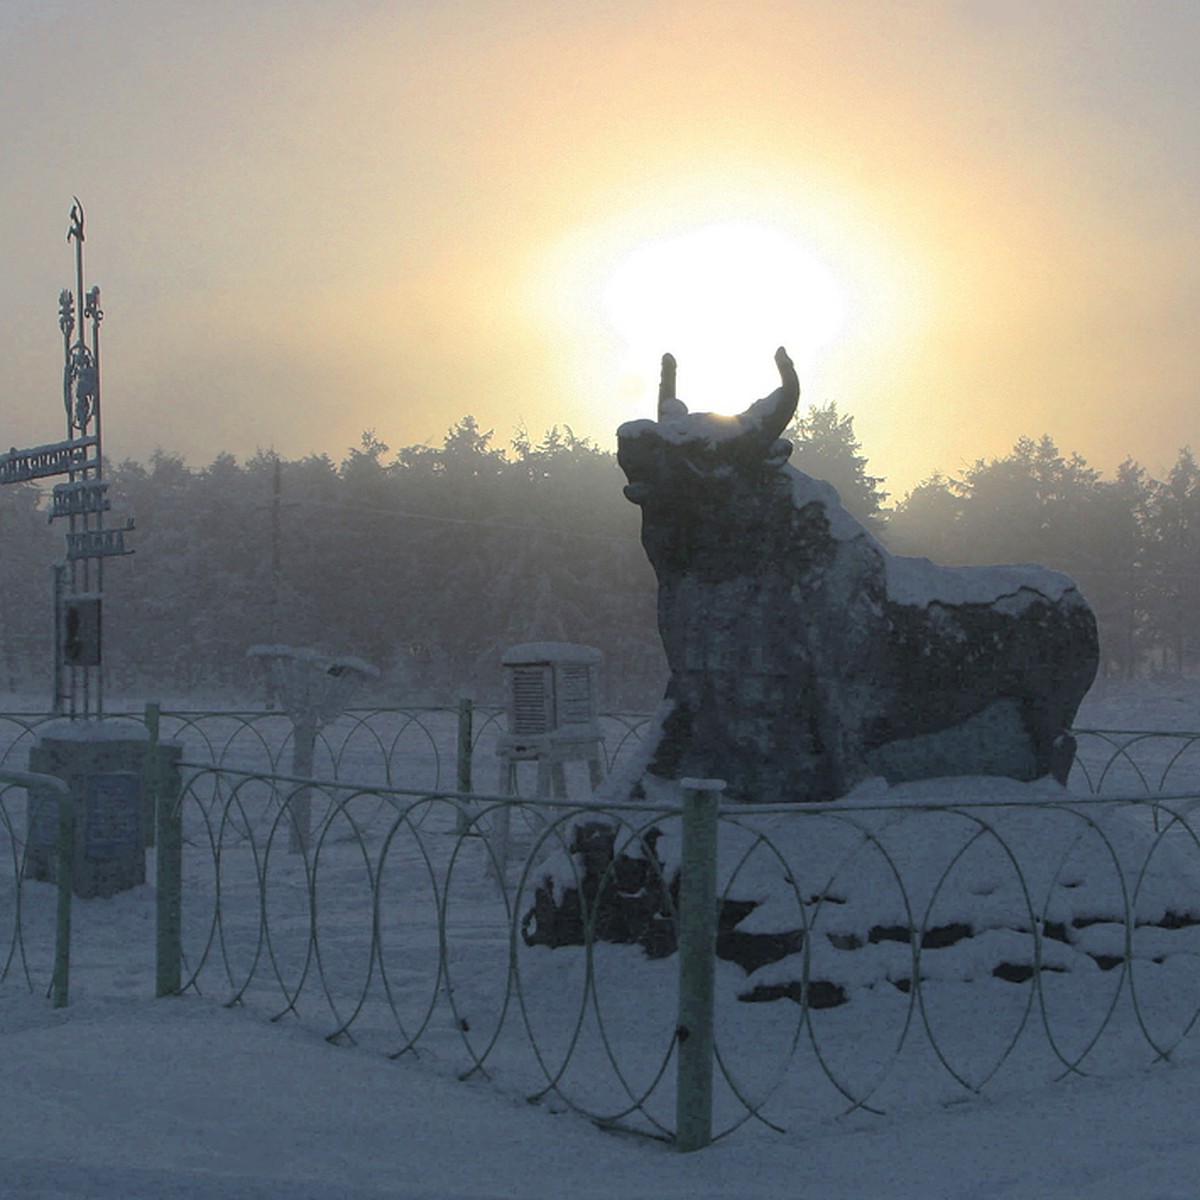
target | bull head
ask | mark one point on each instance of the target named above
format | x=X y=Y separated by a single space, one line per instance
x=706 y=442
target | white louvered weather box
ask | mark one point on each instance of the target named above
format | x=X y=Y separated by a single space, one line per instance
x=551 y=690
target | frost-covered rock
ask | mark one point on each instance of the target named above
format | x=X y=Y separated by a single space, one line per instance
x=609 y=888
x=804 y=656
x=933 y=884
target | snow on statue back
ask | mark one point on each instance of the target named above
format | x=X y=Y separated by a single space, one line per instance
x=804 y=656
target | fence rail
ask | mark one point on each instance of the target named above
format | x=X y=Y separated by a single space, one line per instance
x=422 y=747
x=418 y=747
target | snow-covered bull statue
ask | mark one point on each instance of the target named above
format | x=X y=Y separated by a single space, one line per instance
x=804 y=656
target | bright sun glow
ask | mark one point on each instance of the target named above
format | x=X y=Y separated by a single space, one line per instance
x=721 y=299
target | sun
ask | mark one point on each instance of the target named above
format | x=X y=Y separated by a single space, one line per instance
x=721 y=298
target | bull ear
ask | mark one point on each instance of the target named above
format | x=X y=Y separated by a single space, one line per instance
x=771 y=414
x=668 y=404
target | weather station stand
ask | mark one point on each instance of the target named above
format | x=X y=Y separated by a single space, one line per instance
x=552 y=722
x=314 y=690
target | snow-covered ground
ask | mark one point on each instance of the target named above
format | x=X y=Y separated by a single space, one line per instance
x=133 y=1099
x=1164 y=704
x=123 y=1096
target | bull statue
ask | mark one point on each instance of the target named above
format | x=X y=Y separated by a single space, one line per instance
x=804 y=656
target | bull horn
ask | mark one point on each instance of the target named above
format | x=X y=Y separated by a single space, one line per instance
x=770 y=415
x=787 y=375
x=668 y=404
x=666 y=381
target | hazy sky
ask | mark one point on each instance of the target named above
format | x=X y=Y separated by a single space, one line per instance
x=969 y=221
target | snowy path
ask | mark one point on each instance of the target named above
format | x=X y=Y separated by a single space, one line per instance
x=144 y=1100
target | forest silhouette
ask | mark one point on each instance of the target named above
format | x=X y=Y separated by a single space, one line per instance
x=431 y=561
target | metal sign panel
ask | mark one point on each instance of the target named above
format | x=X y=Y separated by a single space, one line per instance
x=81 y=498
x=98 y=543
x=40 y=462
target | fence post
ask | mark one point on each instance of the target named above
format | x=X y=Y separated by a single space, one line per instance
x=697 y=953
x=60 y=983
x=169 y=865
x=299 y=803
x=463 y=782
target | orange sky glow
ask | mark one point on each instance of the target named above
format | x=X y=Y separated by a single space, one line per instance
x=969 y=221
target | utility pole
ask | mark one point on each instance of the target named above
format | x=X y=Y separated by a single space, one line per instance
x=276 y=555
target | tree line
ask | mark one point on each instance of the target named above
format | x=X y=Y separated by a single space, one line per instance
x=431 y=561
x=428 y=563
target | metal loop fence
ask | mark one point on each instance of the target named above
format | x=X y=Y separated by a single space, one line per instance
x=865 y=958
x=405 y=925
x=1129 y=762
x=35 y=807
x=940 y=950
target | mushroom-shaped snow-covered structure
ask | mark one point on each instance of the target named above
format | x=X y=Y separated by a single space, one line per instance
x=314 y=690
